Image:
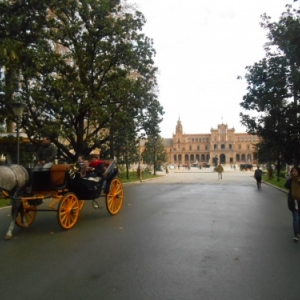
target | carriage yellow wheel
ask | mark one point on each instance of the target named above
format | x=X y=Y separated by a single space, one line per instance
x=29 y=215
x=81 y=203
x=68 y=211
x=114 y=197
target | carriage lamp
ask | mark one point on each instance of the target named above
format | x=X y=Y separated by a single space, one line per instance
x=18 y=109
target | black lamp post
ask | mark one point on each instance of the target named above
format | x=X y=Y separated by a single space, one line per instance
x=139 y=165
x=18 y=109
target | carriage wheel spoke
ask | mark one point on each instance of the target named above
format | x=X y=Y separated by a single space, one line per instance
x=115 y=196
x=68 y=211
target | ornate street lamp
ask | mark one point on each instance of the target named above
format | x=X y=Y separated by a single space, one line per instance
x=18 y=109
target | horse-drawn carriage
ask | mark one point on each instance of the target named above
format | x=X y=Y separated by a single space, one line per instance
x=63 y=186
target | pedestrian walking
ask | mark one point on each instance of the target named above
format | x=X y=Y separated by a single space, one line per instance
x=257 y=176
x=220 y=170
x=293 y=185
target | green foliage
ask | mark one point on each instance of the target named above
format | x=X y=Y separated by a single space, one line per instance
x=8 y=145
x=83 y=68
x=133 y=176
x=154 y=152
x=4 y=202
x=274 y=181
x=273 y=91
x=147 y=170
x=2 y=128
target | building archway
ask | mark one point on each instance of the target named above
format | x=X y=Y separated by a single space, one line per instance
x=222 y=159
x=186 y=158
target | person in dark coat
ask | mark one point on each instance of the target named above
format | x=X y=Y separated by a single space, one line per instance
x=293 y=185
x=46 y=155
x=258 y=176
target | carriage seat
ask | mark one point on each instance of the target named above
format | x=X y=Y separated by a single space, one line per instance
x=59 y=175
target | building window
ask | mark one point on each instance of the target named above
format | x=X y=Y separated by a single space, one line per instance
x=215 y=146
x=198 y=147
x=222 y=146
x=190 y=147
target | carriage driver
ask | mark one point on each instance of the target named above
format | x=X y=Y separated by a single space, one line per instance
x=46 y=155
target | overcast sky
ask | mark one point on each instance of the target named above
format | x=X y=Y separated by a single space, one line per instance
x=202 y=46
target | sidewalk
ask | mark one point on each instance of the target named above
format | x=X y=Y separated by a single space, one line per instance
x=182 y=175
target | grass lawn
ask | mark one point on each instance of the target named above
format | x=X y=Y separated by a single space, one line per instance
x=133 y=176
x=4 y=202
x=274 y=181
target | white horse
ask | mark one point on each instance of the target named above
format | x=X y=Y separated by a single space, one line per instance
x=13 y=180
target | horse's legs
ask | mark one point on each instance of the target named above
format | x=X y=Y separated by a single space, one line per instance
x=10 y=229
x=23 y=218
x=12 y=223
x=16 y=208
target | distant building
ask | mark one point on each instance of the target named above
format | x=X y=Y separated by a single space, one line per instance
x=229 y=147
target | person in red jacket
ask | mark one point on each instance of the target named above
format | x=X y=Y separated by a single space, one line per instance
x=96 y=166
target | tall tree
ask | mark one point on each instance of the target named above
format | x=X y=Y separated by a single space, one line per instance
x=273 y=89
x=154 y=152
x=88 y=66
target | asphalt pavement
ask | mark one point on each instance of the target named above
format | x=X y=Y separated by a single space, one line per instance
x=185 y=235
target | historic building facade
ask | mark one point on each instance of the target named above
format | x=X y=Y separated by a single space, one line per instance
x=222 y=142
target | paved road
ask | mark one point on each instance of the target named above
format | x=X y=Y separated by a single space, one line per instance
x=186 y=235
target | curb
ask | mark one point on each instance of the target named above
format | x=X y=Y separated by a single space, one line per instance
x=276 y=187
x=4 y=207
